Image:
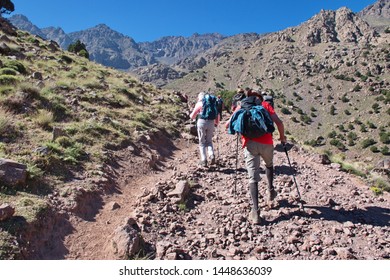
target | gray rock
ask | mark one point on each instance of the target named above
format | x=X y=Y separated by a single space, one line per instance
x=6 y=212
x=4 y=49
x=127 y=240
x=12 y=173
x=37 y=76
x=181 y=191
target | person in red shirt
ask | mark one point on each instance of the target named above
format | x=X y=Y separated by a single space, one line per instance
x=260 y=147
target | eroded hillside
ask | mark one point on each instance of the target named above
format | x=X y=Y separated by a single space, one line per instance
x=61 y=118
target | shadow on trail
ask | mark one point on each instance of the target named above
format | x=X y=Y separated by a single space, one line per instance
x=371 y=215
x=285 y=170
x=41 y=239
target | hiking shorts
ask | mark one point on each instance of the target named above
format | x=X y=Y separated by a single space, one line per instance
x=253 y=151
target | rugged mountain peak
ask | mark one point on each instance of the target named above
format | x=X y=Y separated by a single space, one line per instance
x=381 y=8
x=377 y=15
x=102 y=30
x=335 y=26
x=22 y=22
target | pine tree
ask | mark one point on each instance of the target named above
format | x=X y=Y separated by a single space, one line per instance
x=6 y=7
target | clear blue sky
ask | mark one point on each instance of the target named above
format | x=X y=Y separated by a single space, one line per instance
x=148 y=20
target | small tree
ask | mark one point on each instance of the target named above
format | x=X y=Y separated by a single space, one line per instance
x=6 y=7
x=79 y=48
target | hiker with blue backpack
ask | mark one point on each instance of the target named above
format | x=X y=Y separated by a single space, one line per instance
x=254 y=120
x=208 y=118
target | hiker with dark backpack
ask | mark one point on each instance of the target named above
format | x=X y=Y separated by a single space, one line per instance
x=236 y=99
x=254 y=119
x=208 y=118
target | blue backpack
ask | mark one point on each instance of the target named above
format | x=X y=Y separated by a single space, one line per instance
x=209 y=107
x=252 y=120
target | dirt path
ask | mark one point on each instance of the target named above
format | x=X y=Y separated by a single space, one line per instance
x=343 y=218
x=90 y=237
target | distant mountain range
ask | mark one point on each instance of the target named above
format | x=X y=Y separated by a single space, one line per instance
x=111 y=48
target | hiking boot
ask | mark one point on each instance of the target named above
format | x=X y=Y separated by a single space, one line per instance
x=254 y=217
x=212 y=162
x=271 y=194
x=203 y=163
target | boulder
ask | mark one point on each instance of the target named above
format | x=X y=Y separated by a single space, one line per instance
x=37 y=76
x=12 y=173
x=6 y=212
x=4 y=49
x=126 y=240
x=181 y=191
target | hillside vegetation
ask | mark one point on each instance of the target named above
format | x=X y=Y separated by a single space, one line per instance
x=62 y=116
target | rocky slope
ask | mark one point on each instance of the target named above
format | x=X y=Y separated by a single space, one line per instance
x=377 y=15
x=180 y=211
x=326 y=76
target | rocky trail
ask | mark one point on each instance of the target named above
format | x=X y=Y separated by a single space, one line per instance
x=182 y=211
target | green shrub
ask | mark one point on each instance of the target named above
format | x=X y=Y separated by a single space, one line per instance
x=332 y=134
x=376 y=190
x=8 y=71
x=84 y=53
x=385 y=151
x=8 y=80
x=368 y=142
x=44 y=119
x=16 y=65
x=374 y=149
x=357 y=88
x=332 y=110
x=338 y=144
x=5 y=124
x=285 y=111
x=344 y=98
x=376 y=107
x=32 y=92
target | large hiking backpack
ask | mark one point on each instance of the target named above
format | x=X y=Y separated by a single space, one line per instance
x=252 y=120
x=209 y=107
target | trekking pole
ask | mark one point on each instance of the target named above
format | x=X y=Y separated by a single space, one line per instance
x=295 y=182
x=217 y=144
x=235 y=177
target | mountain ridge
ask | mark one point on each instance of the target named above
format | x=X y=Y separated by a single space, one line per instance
x=114 y=49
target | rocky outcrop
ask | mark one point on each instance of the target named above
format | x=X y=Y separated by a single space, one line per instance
x=336 y=26
x=158 y=74
x=171 y=49
x=6 y=212
x=377 y=15
x=12 y=173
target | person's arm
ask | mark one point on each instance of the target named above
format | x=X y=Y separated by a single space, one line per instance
x=280 y=126
x=196 y=111
x=217 y=120
x=238 y=107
